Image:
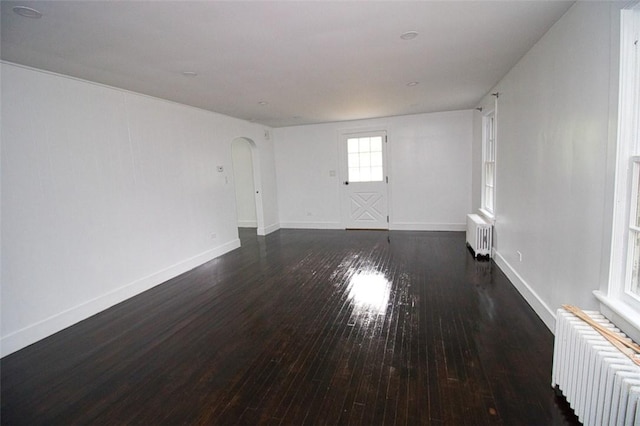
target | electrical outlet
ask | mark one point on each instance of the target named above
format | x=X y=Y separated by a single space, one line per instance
x=214 y=235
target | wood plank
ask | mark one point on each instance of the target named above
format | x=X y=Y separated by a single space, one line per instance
x=274 y=333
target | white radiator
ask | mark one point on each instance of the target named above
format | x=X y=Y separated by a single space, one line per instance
x=601 y=384
x=479 y=235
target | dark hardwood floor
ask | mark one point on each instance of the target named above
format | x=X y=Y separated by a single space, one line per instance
x=302 y=327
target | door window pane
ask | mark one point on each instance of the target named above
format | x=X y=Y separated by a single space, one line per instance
x=354 y=160
x=365 y=174
x=352 y=145
x=376 y=159
x=364 y=145
x=365 y=160
x=376 y=174
x=376 y=144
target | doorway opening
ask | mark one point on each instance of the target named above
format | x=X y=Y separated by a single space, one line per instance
x=246 y=177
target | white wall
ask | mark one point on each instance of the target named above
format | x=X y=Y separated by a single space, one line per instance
x=429 y=157
x=244 y=184
x=554 y=161
x=106 y=193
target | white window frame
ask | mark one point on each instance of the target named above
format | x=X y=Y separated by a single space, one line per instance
x=617 y=301
x=379 y=135
x=489 y=148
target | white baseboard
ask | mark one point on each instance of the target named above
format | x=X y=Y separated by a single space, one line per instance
x=539 y=306
x=268 y=229
x=34 y=332
x=417 y=226
x=312 y=225
x=396 y=226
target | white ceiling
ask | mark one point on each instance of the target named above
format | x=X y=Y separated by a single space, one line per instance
x=312 y=62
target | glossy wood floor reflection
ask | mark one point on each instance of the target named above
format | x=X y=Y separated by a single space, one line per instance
x=302 y=327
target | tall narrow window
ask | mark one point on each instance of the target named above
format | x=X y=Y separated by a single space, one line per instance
x=489 y=163
x=632 y=285
x=629 y=159
x=620 y=297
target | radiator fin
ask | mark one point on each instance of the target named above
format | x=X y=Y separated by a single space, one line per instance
x=601 y=384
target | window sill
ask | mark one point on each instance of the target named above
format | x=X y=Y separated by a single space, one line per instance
x=490 y=217
x=621 y=314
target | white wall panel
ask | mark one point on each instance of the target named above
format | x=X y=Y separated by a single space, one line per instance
x=106 y=193
x=429 y=171
x=553 y=158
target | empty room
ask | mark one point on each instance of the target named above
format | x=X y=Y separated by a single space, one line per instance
x=320 y=212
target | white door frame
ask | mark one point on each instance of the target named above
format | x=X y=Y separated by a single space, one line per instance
x=343 y=173
x=257 y=183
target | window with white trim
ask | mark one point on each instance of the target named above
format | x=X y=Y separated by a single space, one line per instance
x=628 y=173
x=488 y=196
x=633 y=250
x=622 y=295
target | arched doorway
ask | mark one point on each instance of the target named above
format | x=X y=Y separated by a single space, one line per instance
x=246 y=176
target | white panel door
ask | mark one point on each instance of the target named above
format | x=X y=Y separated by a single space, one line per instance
x=364 y=181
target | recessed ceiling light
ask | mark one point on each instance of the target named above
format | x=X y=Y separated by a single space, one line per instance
x=409 y=35
x=263 y=103
x=189 y=73
x=27 y=12
x=412 y=83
